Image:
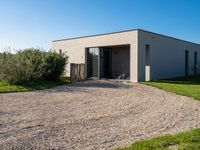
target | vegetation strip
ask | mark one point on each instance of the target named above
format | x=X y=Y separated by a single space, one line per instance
x=187 y=86
x=183 y=141
x=39 y=85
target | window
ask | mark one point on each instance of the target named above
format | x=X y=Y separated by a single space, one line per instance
x=93 y=62
x=186 y=63
x=147 y=57
x=147 y=63
x=195 y=63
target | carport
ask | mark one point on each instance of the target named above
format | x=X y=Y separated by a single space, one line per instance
x=111 y=62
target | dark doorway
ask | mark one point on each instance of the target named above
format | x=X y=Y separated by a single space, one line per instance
x=195 y=63
x=186 y=63
x=112 y=62
x=106 y=63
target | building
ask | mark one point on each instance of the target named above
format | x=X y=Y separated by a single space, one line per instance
x=136 y=55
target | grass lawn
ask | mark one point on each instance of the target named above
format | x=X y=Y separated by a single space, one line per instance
x=182 y=141
x=188 y=86
x=6 y=87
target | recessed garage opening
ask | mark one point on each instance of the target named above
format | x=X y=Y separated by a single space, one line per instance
x=111 y=62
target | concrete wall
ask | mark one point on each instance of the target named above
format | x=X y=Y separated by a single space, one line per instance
x=167 y=56
x=75 y=48
x=121 y=60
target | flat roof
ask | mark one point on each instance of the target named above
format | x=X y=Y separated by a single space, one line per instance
x=95 y=35
x=125 y=31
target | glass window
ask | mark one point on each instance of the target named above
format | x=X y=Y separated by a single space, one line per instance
x=93 y=62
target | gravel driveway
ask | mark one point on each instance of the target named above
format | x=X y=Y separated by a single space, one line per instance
x=92 y=115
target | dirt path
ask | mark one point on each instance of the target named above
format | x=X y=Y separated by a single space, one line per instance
x=92 y=115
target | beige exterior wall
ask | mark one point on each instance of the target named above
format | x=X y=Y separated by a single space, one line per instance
x=75 y=48
x=167 y=56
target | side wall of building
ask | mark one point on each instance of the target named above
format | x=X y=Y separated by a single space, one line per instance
x=76 y=48
x=167 y=56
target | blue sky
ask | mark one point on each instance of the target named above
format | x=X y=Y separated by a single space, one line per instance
x=35 y=23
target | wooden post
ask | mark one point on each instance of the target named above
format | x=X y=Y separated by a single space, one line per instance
x=77 y=72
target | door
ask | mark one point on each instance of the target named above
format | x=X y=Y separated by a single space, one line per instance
x=106 y=62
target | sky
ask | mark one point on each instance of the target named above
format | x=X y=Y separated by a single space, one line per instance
x=36 y=23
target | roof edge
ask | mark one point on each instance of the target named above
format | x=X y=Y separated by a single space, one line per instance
x=169 y=37
x=127 y=31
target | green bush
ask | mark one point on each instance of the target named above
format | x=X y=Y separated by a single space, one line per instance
x=31 y=65
x=53 y=66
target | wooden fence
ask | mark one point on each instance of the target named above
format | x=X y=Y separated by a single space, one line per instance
x=77 y=72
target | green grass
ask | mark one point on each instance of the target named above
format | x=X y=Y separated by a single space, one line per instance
x=188 y=86
x=183 y=141
x=40 y=85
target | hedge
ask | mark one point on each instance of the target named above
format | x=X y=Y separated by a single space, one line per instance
x=30 y=65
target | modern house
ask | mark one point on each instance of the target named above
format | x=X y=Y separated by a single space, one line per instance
x=136 y=55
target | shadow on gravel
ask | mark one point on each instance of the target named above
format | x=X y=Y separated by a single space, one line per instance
x=100 y=84
x=86 y=85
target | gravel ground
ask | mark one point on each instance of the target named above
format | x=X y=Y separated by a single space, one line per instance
x=92 y=115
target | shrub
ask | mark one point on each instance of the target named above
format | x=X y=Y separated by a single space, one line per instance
x=31 y=65
x=8 y=67
x=53 y=66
